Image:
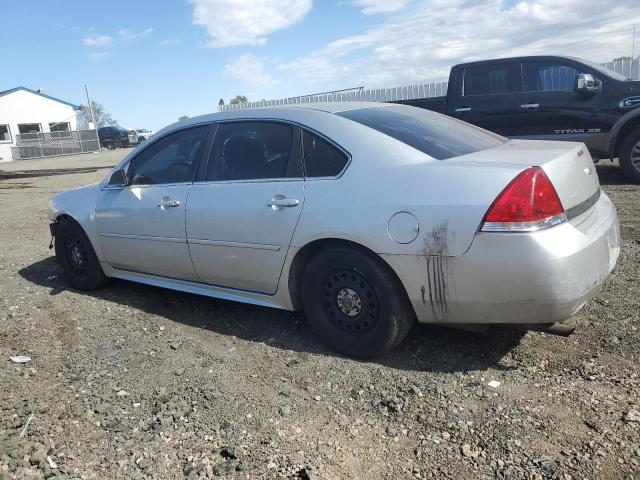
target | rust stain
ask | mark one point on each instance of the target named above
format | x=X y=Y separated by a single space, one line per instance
x=435 y=251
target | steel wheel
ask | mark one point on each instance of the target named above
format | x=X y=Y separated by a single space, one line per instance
x=350 y=302
x=76 y=255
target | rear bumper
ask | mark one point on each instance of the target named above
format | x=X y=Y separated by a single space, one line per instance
x=523 y=278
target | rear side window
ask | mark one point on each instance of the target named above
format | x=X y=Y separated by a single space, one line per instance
x=489 y=80
x=321 y=159
x=549 y=77
x=253 y=151
x=437 y=135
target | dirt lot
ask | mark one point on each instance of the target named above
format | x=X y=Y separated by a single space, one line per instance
x=139 y=382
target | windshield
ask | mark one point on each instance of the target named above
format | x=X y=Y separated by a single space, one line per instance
x=437 y=135
x=602 y=69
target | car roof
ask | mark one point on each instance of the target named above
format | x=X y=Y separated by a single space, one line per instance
x=290 y=112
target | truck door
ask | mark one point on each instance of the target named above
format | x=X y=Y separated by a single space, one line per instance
x=550 y=108
x=487 y=96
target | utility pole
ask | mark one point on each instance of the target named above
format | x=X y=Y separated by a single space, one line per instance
x=90 y=105
x=633 y=44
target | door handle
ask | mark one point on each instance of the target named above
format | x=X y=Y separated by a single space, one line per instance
x=463 y=109
x=529 y=105
x=278 y=203
x=166 y=203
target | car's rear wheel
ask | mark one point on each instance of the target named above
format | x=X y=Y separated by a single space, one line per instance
x=630 y=156
x=76 y=257
x=354 y=303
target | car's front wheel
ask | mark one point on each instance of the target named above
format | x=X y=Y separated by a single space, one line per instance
x=76 y=257
x=354 y=302
x=630 y=156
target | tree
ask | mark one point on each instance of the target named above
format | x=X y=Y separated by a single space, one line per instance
x=182 y=117
x=103 y=119
x=221 y=102
x=238 y=99
x=621 y=58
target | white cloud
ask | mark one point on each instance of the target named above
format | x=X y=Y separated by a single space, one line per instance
x=100 y=55
x=127 y=35
x=246 y=22
x=97 y=40
x=422 y=43
x=379 y=6
x=168 y=41
x=250 y=70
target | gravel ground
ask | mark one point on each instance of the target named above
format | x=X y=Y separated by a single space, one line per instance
x=138 y=382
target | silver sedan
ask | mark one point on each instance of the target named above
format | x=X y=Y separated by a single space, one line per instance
x=367 y=216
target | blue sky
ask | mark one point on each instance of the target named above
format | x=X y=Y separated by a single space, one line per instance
x=148 y=62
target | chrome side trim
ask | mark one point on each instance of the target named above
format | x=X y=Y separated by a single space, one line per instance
x=144 y=237
x=223 y=243
x=583 y=207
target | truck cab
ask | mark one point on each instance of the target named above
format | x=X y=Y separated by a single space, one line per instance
x=549 y=98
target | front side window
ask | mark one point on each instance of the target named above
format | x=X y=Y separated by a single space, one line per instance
x=321 y=159
x=549 y=77
x=437 y=135
x=172 y=159
x=488 y=80
x=5 y=133
x=252 y=151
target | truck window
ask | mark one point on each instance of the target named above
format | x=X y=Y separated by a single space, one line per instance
x=548 y=77
x=437 y=135
x=489 y=80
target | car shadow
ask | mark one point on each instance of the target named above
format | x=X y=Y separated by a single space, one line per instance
x=610 y=173
x=427 y=348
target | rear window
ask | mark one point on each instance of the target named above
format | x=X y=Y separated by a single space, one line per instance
x=437 y=135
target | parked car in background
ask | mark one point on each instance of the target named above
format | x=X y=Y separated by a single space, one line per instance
x=548 y=98
x=133 y=137
x=144 y=134
x=113 y=137
x=287 y=209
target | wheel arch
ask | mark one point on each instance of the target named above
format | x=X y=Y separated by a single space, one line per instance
x=60 y=216
x=623 y=127
x=313 y=248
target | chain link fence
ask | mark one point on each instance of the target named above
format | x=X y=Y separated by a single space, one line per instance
x=50 y=144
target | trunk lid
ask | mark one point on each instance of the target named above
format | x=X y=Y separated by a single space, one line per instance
x=568 y=165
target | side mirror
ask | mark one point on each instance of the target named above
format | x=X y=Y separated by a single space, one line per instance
x=117 y=179
x=586 y=84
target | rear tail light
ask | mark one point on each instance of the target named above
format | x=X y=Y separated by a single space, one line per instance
x=527 y=204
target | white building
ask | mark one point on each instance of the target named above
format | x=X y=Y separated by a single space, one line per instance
x=23 y=111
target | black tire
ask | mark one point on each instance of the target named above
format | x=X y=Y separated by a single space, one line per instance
x=110 y=146
x=354 y=303
x=630 y=155
x=76 y=257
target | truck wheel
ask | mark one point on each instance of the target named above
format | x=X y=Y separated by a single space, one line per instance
x=110 y=146
x=76 y=257
x=354 y=304
x=630 y=156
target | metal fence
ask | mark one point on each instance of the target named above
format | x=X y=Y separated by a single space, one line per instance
x=628 y=68
x=38 y=145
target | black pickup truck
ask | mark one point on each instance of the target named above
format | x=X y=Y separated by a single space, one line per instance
x=548 y=98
